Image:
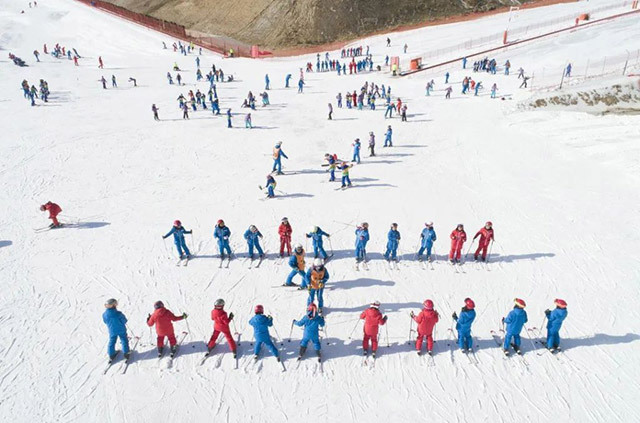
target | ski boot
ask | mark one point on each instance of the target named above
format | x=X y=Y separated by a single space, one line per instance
x=505 y=352
x=255 y=357
x=173 y=350
x=235 y=354
x=419 y=353
x=302 y=351
x=127 y=356
x=113 y=356
x=160 y=350
x=278 y=359
x=429 y=352
x=319 y=354
x=365 y=352
x=373 y=354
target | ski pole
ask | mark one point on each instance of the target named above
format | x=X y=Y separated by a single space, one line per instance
x=150 y=336
x=530 y=339
x=164 y=241
x=278 y=336
x=386 y=328
x=326 y=334
x=129 y=329
x=544 y=319
x=410 y=329
x=187 y=322
x=469 y=249
x=330 y=246
x=346 y=224
x=490 y=248
x=290 y=331
x=354 y=328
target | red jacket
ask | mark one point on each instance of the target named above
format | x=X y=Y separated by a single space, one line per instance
x=220 y=320
x=163 y=319
x=457 y=239
x=53 y=209
x=426 y=320
x=486 y=235
x=372 y=319
x=285 y=231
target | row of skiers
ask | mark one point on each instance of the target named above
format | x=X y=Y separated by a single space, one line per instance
x=427 y=238
x=426 y=320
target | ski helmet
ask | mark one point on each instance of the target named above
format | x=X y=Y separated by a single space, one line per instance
x=460 y=225
x=177 y=223
x=489 y=224
x=560 y=303
x=520 y=303
x=365 y=225
x=429 y=224
x=220 y=221
x=219 y=303
x=259 y=309
x=42 y=208
x=394 y=225
x=468 y=303
x=375 y=304
x=318 y=262
x=279 y=143
x=158 y=304
x=428 y=304
x=253 y=228
x=284 y=219
x=313 y=230
x=312 y=310
x=111 y=303
x=298 y=247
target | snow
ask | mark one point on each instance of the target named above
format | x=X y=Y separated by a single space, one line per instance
x=561 y=188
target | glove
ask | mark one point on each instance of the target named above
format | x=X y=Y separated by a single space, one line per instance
x=269 y=317
x=503 y=320
x=411 y=314
x=230 y=316
x=384 y=319
x=164 y=237
x=148 y=316
x=455 y=316
x=547 y=312
x=185 y=315
x=294 y=322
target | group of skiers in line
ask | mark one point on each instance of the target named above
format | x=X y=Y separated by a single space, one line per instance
x=59 y=52
x=426 y=320
x=31 y=92
x=369 y=92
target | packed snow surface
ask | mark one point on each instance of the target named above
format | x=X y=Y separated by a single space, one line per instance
x=560 y=187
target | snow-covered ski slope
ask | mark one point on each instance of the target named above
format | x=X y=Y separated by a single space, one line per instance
x=561 y=189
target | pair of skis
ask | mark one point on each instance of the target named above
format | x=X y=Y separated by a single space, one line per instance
x=127 y=361
x=364 y=263
x=499 y=340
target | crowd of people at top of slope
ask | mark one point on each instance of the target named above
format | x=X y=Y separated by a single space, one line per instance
x=314 y=319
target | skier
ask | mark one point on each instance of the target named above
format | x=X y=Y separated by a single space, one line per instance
x=372 y=144
x=113 y=82
x=486 y=237
x=163 y=318
x=270 y=186
x=393 y=239
x=346 y=181
x=316 y=235
x=221 y=325
x=332 y=159
x=104 y=83
x=285 y=230
x=362 y=237
x=427 y=238
x=372 y=319
x=330 y=111
x=494 y=88
x=387 y=137
x=185 y=111
x=253 y=235
x=458 y=238
x=229 y=119
x=448 y=92
x=515 y=320
x=155 y=109
x=35 y=53
x=567 y=72
x=446 y=78
x=312 y=321
x=178 y=233
x=100 y=63
x=463 y=325
x=116 y=322
x=54 y=210
x=286 y=80
x=300 y=85
x=222 y=234
x=266 y=81
x=356 y=151
x=261 y=324
x=554 y=323
x=278 y=154
x=296 y=262
x=525 y=79
x=426 y=321
x=315 y=280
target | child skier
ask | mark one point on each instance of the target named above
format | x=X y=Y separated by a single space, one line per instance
x=296 y=262
x=312 y=321
x=331 y=159
x=178 y=233
x=458 y=238
x=285 y=230
x=155 y=109
x=356 y=151
x=316 y=235
x=372 y=144
x=427 y=238
x=372 y=320
x=426 y=321
x=270 y=186
x=554 y=323
x=222 y=234
x=346 y=181
x=116 y=322
x=387 y=137
x=317 y=276
x=486 y=237
x=163 y=318
x=253 y=235
x=463 y=325
x=362 y=237
x=393 y=239
x=221 y=325
x=261 y=324
x=515 y=320
x=54 y=210
x=278 y=154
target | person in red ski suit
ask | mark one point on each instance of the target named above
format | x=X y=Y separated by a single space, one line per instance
x=54 y=210
x=163 y=319
x=426 y=321
x=221 y=325
x=458 y=238
x=372 y=319
x=285 y=236
x=486 y=237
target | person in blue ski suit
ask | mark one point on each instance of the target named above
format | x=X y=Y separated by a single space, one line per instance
x=393 y=239
x=178 y=233
x=278 y=154
x=362 y=237
x=300 y=85
x=356 y=151
x=332 y=160
x=296 y=262
x=116 y=322
x=271 y=186
x=427 y=237
x=261 y=324
x=266 y=81
x=463 y=324
x=387 y=137
x=253 y=235
x=312 y=322
x=554 y=323
x=515 y=320
x=286 y=80
x=316 y=236
x=316 y=278
x=222 y=234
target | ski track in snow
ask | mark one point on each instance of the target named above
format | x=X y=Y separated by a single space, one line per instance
x=560 y=187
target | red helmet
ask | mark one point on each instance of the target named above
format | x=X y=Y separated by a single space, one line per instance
x=560 y=303
x=428 y=304
x=468 y=303
x=520 y=303
x=488 y=223
x=312 y=310
x=259 y=309
x=220 y=221
x=177 y=223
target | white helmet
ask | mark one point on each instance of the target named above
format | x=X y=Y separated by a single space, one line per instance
x=313 y=229
x=375 y=304
x=298 y=247
x=318 y=262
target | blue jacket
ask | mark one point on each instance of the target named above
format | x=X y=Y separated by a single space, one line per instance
x=356 y=147
x=555 y=319
x=261 y=324
x=252 y=237
x=311 y=325
x=428 y=235
x=389 y=133
x=393 y=237
x=362 y=237
x=317 y=236
x=515 y=320
x=115 y=321
x=221 y=234
x=465 y=320
x=178 y=234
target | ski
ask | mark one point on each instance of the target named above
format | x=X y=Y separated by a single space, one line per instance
x=284 y=369
x=365 y=265
x=129 y=358
x=261 y=259
x=111 y=361
x=175 y=351
x=284 y=285
x=395 y=265
x=498 y=340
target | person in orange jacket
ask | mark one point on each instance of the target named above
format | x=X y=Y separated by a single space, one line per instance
x=486 y=237
x=458 y=238
x=54 y=210
x=426 y=321
x=221 y=326
x=163 y=319
x=372 y=320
